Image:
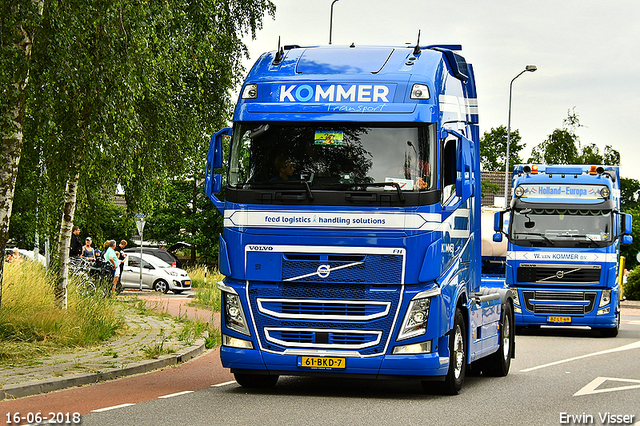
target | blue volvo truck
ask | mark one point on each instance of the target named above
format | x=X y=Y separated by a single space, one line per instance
x=564 y=232
x=351 y=243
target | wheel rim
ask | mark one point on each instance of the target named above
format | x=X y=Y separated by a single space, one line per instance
x=506 y=337
x=161 y=286
x=458 y=352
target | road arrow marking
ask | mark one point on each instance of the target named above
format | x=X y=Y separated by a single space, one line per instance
x=592 y=387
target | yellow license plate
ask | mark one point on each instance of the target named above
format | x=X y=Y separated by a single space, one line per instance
x=559 y=319
x=187 y=282
x=323 y=363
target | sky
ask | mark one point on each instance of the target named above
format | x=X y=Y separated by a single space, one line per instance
x=587 y=53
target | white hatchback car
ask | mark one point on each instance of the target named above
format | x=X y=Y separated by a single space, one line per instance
x=156 y=274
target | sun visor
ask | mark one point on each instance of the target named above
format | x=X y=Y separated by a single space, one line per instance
x=346 y=60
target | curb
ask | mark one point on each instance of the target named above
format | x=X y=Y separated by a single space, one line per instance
x=37 y=387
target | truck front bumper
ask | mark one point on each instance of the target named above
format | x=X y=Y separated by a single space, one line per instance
x=418 y=366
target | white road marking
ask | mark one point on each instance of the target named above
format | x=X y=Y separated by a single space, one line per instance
x=100 y=410
x=175 y=394
x=592 y=387
x=223 y=384
x=630 y=346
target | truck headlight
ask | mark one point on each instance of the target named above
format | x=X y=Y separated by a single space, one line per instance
x=234 y=314
x=605 y=299
x=415 y=320
x=516 y=298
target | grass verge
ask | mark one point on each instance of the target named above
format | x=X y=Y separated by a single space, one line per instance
x=30 y=324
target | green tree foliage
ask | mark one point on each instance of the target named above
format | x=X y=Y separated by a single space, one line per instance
x=493 y=149
x=632 y=287
x=124 y=93
x=562 y=146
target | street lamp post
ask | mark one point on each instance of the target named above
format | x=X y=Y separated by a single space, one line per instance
x=528 y=68
x=331 y=20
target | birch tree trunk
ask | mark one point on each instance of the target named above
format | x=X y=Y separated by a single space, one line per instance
x=12 y=137
x=66 y=224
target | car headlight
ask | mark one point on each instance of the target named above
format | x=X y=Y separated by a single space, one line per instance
x=605 y=299
x=172 y=273
x=415 y=320
x=234 y=314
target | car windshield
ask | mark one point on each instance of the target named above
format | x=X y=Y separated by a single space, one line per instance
x=333 y=156
x=561 y=227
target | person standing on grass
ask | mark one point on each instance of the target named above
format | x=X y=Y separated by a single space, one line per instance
x=121 y=257
x=113 y=261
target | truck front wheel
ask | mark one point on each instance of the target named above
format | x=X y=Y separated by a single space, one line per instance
x=457 y=359
x=255 y=381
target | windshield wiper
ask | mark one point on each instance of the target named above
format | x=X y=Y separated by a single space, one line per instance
x=371 y=184
x=278 y=183
x=538 y=235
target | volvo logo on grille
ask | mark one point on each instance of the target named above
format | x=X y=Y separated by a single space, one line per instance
x=560 y=275
x=324 y=271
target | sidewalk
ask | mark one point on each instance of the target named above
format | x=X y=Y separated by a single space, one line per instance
x=121 y=356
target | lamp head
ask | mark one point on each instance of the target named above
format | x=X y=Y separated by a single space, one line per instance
x=530 y=68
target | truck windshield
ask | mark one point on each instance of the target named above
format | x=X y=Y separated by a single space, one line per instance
x=561 y=228
x=335 y=156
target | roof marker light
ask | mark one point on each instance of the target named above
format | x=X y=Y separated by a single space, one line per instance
x=593 y=170
x=534 y=169
x=420 y=91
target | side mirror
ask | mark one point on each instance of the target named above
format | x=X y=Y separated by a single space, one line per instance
x=626 y=223
x=464 y=187
x=627 y=239
x=213 y=182
x=498 y=220
x=497 y=237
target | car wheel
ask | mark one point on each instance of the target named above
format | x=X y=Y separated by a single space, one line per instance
x=161 y=286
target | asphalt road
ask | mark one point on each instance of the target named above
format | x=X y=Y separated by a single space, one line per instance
x=558 y=373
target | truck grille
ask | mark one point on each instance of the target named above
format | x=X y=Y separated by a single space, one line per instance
x=558 y=274
x=363 y=269
x=332 y=316
x=559 y=302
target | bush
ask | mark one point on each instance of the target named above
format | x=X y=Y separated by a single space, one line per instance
x=632 y=287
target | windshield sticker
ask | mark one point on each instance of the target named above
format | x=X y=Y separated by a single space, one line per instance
x=405 y=184
x=328 y=137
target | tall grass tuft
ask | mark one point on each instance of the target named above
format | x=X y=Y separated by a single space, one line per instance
x=31 y=325
x=206 y=294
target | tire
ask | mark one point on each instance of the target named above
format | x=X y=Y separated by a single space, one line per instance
x=256 y=381
x=161 y=286
x=498 y=363
x=457 y=359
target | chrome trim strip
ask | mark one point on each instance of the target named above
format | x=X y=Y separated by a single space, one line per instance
x=320 y=352
x=223 y=287
x=271 y=339
x=435 y=291
x=264 y=310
